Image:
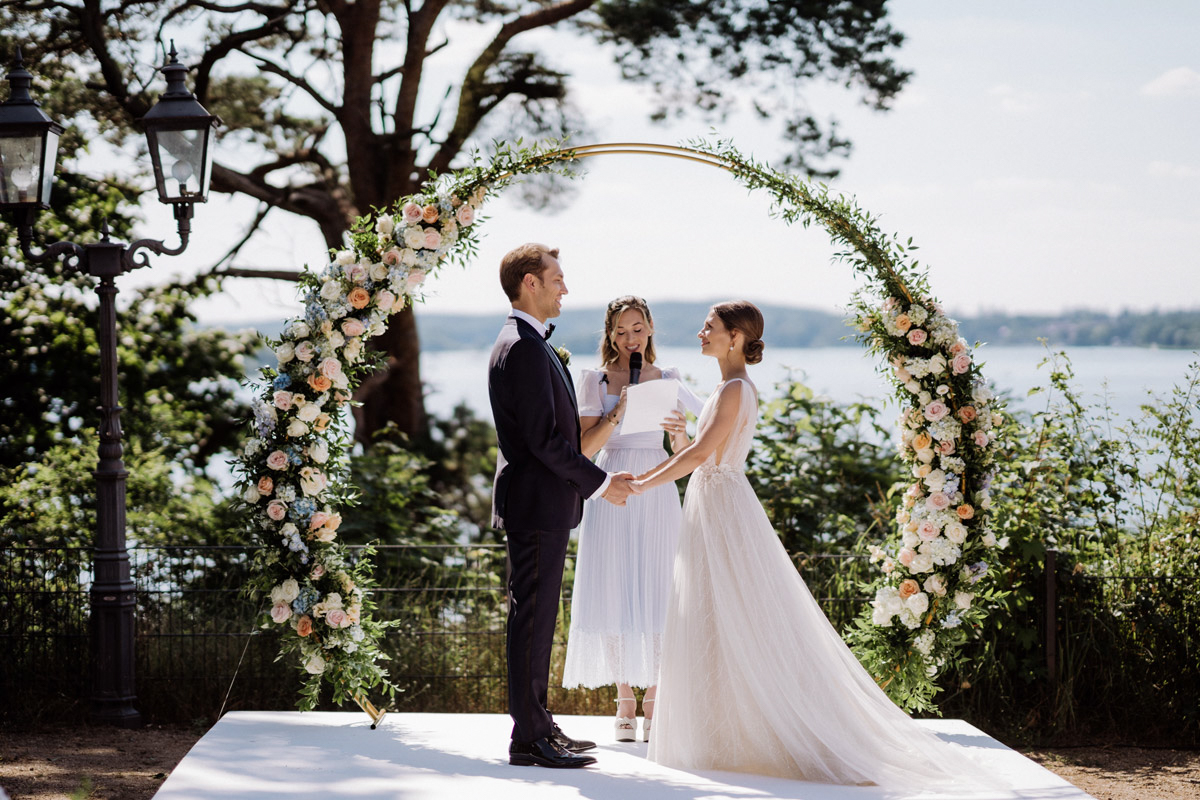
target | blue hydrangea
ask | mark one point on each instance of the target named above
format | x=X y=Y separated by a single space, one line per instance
x=282 y=382
x=305 y=600
x=302 y=509
x=293 y=454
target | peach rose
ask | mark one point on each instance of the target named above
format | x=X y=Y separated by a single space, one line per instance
x=321 y=423
x=965 y=511
x=318 y=519
x=304 y=626
x=967 y=413
x=319 y=383
x=352 y=326
x=429 y=214
x=277 y=460
x=358 y=297
x=958 y=347
x=265 y=484
x=276 y=510
x=917 y=336
x=906 y=556
x=903 y=323
x=908 y=588
x=921 y=441
x=335 y=519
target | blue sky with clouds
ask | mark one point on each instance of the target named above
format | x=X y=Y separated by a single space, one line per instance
x=1044 y=156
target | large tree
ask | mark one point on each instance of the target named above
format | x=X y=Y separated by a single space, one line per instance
x=326 y=102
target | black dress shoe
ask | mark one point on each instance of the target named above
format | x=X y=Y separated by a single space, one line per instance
x=567 y=743
x=545 y=752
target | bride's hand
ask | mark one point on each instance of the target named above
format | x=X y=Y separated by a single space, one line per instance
x=675 y=424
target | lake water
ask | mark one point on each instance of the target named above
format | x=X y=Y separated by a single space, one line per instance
x=1124 y=375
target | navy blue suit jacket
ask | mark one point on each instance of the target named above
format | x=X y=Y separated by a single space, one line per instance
x=542 y=477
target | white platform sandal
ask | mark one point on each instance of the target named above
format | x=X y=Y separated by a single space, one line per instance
x=646 y=720
x=625 y=728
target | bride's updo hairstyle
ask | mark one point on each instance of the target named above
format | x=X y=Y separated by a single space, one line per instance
x=744 y=316
x=608 y=350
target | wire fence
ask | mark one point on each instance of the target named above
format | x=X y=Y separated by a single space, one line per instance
x=198 y=649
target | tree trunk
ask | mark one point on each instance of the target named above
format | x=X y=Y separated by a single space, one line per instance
x=394 y=393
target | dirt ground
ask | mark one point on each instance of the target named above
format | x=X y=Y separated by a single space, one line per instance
x=110 y=764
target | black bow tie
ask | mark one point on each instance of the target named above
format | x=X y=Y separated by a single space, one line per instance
x=549 y=330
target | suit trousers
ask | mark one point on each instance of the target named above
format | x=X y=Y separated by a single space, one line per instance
x=535 y=561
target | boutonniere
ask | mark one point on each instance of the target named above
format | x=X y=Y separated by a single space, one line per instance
x=564 y=355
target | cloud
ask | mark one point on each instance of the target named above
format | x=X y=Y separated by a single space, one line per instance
x=1012 y=100
x=1178 y=82
x=1165 y=169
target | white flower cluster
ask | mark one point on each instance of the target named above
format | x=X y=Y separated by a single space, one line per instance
x=949 y=426
x=287 y=461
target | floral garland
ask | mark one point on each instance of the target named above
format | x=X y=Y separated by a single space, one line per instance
x=934 y=583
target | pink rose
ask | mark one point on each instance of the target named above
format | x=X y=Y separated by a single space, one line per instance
x=281 y=612
x=927 y=530
x=938 y=501
x=961 y=363
x=283 y=400
x=465 y=215
x=917 y=336
x=385 y=299
x=330 y=368
x=353 y=327
x=906 y=556
x=277 y=510
x=265 y=485
x=317 y=520
x=967 y=413
x=277 y=460
x=936 y=410
x=429 y=214
x=981 y=439
x=336 y=618
x=415 y=278
x=958 y=347
x=305 y=351
x=391 y=257
x=889 y=304
x=433 y=239
x=946 y=447
x=412 y=213
x=317 y=572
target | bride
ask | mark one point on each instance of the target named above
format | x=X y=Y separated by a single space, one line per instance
x=753 y=678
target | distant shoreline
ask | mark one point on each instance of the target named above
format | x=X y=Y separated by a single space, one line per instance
x=578 y=329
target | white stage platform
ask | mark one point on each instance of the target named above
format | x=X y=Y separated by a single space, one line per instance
x=261 y=755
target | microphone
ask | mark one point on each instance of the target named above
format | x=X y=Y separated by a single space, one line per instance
x=635 y=368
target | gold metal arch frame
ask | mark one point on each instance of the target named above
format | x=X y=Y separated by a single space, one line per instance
x=641 y=148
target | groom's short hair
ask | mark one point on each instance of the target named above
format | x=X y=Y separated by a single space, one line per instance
x=521 y=261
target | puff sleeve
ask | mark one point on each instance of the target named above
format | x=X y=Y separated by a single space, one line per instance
x=591 y=404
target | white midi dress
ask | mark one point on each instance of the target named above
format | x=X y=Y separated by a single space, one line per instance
x=625 y=557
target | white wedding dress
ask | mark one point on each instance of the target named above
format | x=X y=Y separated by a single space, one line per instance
x=626 y=554
x=753 y=677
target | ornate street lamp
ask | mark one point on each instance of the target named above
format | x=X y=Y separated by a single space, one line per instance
x=179 y=132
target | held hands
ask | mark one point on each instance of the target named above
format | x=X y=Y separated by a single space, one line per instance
x=619 y=488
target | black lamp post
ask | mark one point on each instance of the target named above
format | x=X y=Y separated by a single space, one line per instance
x=179 y=132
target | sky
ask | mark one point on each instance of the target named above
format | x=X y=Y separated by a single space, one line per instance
x=1044 y=156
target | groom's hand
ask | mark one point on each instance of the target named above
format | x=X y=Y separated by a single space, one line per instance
x=618 y=488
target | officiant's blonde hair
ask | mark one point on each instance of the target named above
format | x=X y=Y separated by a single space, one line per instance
x=629 y=302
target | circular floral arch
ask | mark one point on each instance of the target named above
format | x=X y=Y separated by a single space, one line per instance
x=933 y=582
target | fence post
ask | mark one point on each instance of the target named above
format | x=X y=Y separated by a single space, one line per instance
x=1051 y=615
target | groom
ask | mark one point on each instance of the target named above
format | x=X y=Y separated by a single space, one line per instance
x=542 y=479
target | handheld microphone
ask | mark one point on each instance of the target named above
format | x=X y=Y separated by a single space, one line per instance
x=635 y=368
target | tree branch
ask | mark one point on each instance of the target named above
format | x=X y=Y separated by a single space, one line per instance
x=275 y=69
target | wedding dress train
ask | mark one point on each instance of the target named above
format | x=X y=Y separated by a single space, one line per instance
x=753 y=677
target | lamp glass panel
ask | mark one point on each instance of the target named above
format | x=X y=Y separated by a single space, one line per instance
x=20 y=168
x=181 y=155
x=48 y=165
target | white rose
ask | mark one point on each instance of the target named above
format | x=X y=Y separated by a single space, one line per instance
x=385 y=224
x=252 y=495
x=296 y=428
x=918 y=603
x=935 y=585
x=963 y=599
x=955 y=532
x=345 y=257
x=319 y=451
x=288 y=530
x=309 y=412
x=331 y=290
x=289 y=590
x=336 y=339
x=353 y=351
x=378 y=271
x=913 y=387
x=315 y=664
x=285 y=352
x=1003 y=543
x=299 y=329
